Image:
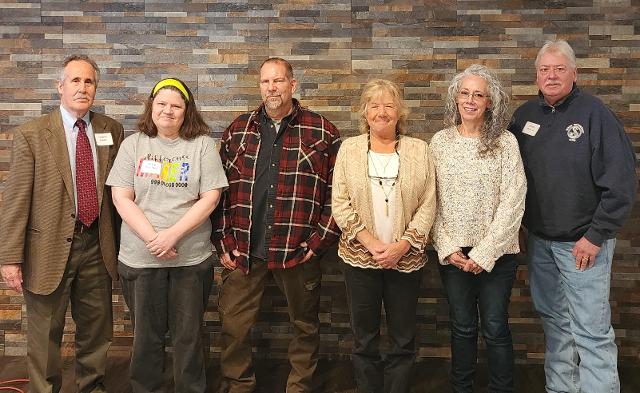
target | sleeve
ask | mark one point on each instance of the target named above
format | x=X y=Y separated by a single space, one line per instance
x=327 y=231
x=222 y=235
x=417 y=231
x=442 y=242
x=613 y=166
x=15 y=210
x=504 y=228
x=345 y=215
x=123 y=171
x=212 y=174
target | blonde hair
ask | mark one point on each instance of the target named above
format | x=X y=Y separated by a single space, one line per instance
x=375 y=88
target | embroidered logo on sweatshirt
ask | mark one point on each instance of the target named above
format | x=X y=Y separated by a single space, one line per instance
x=574 y=131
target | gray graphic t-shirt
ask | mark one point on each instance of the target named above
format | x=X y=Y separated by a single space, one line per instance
x=167 y=178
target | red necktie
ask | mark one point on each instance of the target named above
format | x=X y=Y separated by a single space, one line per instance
x=85 y=178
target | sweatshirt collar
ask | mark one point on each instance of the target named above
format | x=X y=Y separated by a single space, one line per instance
x=575 y=91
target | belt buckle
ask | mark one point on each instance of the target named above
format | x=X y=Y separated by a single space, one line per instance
x=81 y=228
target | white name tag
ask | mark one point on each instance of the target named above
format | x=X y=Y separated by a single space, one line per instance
x=149 y=167
x=531 y=128
x=103 y=139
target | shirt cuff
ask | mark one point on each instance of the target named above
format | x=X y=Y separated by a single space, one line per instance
x=594 y=237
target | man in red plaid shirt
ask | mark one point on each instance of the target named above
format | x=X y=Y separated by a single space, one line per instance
x=274 y=219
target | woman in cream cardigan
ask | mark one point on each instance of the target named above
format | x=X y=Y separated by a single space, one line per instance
x=481 y=192
x=384 y=202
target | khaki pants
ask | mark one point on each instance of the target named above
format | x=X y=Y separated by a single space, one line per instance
x=239 y=302
x=87 y=286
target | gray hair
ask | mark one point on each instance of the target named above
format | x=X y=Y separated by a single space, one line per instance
x=374 y=88
x=496 y=115
x=557 y=46
x=84 y=58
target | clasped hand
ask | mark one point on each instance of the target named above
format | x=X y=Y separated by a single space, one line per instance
x=163 y=245
x=388 y=255
x=464 y=263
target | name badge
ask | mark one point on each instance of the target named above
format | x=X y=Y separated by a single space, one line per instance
x=103 y=139
x=149 y=167
x=531 y=128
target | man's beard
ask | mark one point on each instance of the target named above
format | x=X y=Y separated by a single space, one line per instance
x=273 y=104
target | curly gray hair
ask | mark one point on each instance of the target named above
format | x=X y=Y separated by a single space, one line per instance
x=496 y=115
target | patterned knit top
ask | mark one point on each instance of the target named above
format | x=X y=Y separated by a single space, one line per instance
x=480 y=199
x=352 y=206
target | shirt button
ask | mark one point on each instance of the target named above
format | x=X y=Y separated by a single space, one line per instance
x=269 y=226
x=73 y=215
x=271 y=206
x=68 y=240
x=272 y=164
x=271 y=186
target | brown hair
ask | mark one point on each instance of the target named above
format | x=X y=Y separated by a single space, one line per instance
x=193 y=124
x=282 y=61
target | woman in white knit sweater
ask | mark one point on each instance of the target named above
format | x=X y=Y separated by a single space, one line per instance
x=481 y=190
x=383 y=200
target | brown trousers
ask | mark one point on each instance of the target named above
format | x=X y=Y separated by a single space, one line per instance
x=87 y=286
x=239 y=303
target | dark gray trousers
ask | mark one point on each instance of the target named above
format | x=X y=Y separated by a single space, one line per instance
x=167 y=298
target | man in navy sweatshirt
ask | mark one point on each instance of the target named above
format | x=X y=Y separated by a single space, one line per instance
x=580 y=168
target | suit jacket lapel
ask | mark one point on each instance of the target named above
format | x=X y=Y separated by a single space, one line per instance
x=103 y=155
x=58 y=144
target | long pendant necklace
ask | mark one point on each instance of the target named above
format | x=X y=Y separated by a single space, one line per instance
x=379 y=176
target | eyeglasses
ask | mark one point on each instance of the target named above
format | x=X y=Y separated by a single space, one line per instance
x=544 y=70
x=476 y=95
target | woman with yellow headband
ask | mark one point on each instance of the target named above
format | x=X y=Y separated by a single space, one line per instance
x=165 y=181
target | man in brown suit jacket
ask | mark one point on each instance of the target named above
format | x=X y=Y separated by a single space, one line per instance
x=50 y=250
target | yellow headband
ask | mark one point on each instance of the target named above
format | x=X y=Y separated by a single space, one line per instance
x=170 y=82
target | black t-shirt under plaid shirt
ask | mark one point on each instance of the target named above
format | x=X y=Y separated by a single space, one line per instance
x=266 y=183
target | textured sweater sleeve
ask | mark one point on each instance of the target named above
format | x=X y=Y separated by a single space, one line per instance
x=344 y=213
x=442 y=242
x=418 y=228
x=508 y=214
x=613 y=167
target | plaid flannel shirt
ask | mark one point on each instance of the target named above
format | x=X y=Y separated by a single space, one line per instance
x=303 y=199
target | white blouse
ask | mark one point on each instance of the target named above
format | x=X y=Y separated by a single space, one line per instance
x=383 y=173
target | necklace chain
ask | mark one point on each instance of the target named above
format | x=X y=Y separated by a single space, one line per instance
x=384 y=169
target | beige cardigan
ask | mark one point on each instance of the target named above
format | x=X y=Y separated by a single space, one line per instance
x=415 y=194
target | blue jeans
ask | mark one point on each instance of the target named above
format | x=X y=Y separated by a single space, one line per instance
x=490 y=293
x=581 y=355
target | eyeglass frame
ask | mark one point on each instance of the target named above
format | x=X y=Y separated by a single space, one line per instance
x=475 y=96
